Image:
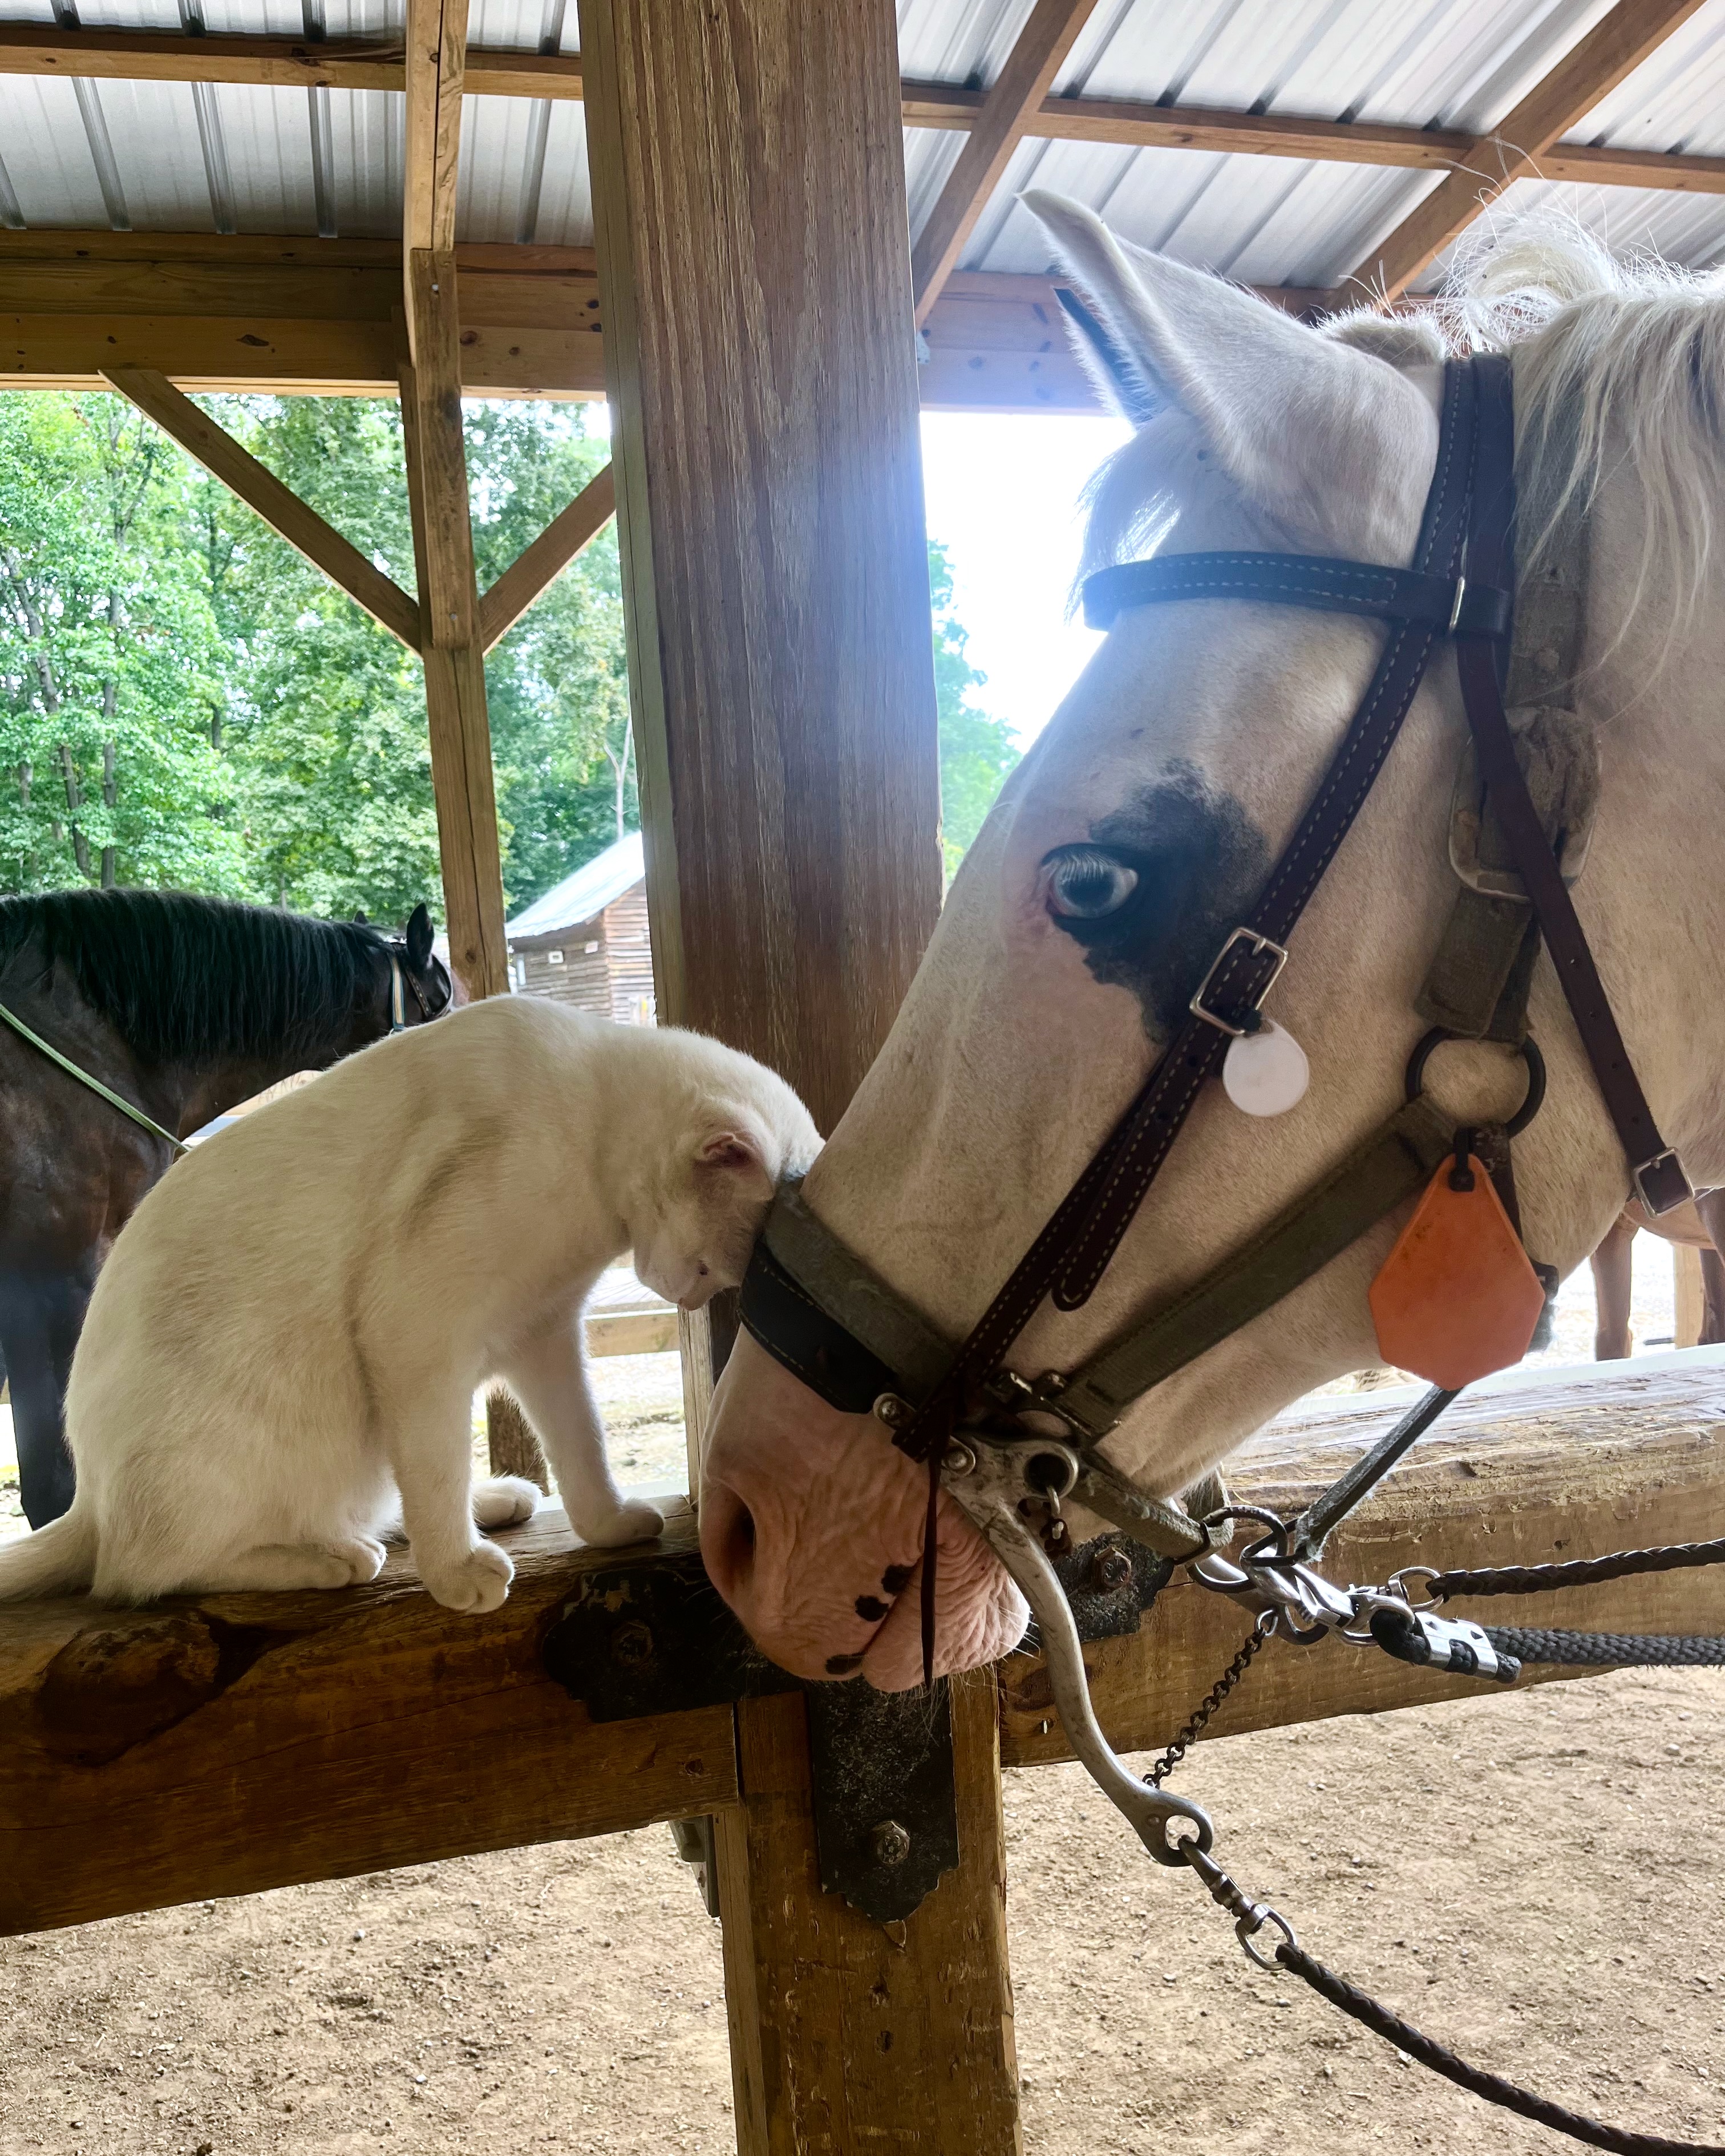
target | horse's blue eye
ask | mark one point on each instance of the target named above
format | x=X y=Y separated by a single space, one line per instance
x=1086 y=884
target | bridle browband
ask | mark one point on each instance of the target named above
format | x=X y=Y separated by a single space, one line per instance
x=812 y=1305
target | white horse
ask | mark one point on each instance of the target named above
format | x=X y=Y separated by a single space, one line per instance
x=1194 y=739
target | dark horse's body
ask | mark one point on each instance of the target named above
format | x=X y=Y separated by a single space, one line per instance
x=183 y=1006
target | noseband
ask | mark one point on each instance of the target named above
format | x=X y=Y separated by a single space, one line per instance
x=814 y=1306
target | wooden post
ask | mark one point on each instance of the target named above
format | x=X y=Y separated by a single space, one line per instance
x=1688 y=1296
x=754 y=277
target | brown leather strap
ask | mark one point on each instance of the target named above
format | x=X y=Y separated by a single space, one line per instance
x=1659 y=1176
x=1070 y=1255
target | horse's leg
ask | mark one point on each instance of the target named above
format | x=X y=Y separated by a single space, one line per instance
x=41 y=1316
x=1710 y=1207
x=1611 y=1265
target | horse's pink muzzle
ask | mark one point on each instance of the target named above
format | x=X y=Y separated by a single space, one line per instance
x=811 y=1528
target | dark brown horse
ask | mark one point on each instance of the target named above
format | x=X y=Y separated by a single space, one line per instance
x=183 y=1006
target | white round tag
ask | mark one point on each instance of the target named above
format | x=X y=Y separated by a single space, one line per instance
x=1266 y=1073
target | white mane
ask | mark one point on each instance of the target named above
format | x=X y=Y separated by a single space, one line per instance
x=1615 y=360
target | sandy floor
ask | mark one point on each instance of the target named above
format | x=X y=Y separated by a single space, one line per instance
x=1538 y=1880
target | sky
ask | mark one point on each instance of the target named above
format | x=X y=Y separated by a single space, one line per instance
x=1002 y=493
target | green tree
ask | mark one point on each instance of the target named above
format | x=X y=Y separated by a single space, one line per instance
x=976 y=751
x=111 y=658
x=185 y=700
x=324 y=721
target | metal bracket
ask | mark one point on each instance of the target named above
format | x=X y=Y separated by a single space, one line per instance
x=655 y=1638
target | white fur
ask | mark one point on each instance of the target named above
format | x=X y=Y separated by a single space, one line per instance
x=281 y=1353
x=1009 y=1061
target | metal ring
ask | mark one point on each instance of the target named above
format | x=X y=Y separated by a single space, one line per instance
x=1246 y=1937
x=1532 y=1061
x=1396 y=1579
x=1277 y=1526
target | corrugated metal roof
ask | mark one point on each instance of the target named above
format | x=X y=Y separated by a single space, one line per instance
x=578 y=898
x=84 y=155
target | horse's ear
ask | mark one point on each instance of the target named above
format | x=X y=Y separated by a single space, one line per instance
x=359 y=916
x=419 y=938
x=1312 y=429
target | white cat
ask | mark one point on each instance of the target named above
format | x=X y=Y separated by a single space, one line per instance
x=281 y=1353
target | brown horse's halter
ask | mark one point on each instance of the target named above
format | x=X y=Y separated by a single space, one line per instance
x=965 y=1413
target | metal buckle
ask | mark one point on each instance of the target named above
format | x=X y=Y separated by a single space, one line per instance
x=1455 y=610
x=1678 y=1190
x=1259 y=945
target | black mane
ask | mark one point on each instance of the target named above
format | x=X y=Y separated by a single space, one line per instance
x=184 y=976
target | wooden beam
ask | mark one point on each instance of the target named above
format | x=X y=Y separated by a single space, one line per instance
x=46 y=49
x=225 y=1744
x=1627 y=1459
x=279 y=507
x=436 y=66
x=1132 y=124
x=461 y=774
x=999 y=126
x=218 y=250
x=1611 y=50
x=537 y=566
x=774 y=575
x=104 y=55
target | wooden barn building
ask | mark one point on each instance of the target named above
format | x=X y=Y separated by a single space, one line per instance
x=585 y=942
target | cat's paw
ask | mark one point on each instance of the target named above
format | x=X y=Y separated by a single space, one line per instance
x=364 y=1557
x=504 y=1502
x=634 y=1522
x=478 y=1581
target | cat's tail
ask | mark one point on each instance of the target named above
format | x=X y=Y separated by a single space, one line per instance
x=57 y=1560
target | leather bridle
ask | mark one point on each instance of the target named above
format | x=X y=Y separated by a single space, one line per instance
x=820 y=1311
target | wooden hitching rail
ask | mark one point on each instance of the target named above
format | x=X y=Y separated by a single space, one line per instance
x=229 y=1743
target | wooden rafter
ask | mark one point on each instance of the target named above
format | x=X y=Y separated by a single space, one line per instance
x=436 y=69
x=370 y=64
x=1514 y=151
x=279 y=507
x=533 y=570
x=1000 y=125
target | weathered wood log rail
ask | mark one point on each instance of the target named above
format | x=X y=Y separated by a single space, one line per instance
x=226 y=1743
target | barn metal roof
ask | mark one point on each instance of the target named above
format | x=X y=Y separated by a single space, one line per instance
x=221 y=157
x=584 y=895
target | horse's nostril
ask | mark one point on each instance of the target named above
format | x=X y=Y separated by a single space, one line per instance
x=727 y=1539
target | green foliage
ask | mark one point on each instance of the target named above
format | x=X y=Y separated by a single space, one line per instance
x=184 y=700
x=111 y=658
x=976 y=751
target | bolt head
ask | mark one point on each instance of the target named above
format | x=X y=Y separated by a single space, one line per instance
x=896 y=1413
x=889 y=1842
x=1111 y=1569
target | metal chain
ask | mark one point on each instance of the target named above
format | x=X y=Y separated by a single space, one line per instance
x=1255 y=1640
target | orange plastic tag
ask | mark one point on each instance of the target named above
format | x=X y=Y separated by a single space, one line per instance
x=1456 y=1298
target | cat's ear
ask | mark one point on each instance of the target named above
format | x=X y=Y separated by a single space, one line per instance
x=419 y=938
x=739 y=1157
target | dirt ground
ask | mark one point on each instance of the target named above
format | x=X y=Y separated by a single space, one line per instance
x=1539 y=1880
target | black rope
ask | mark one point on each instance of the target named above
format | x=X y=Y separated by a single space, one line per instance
x=1579 y=1571
x=1612 y=1651
x=1491 y=2087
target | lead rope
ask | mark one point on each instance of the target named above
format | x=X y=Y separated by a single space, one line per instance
x=1575 y=1649
x=114 y=1099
